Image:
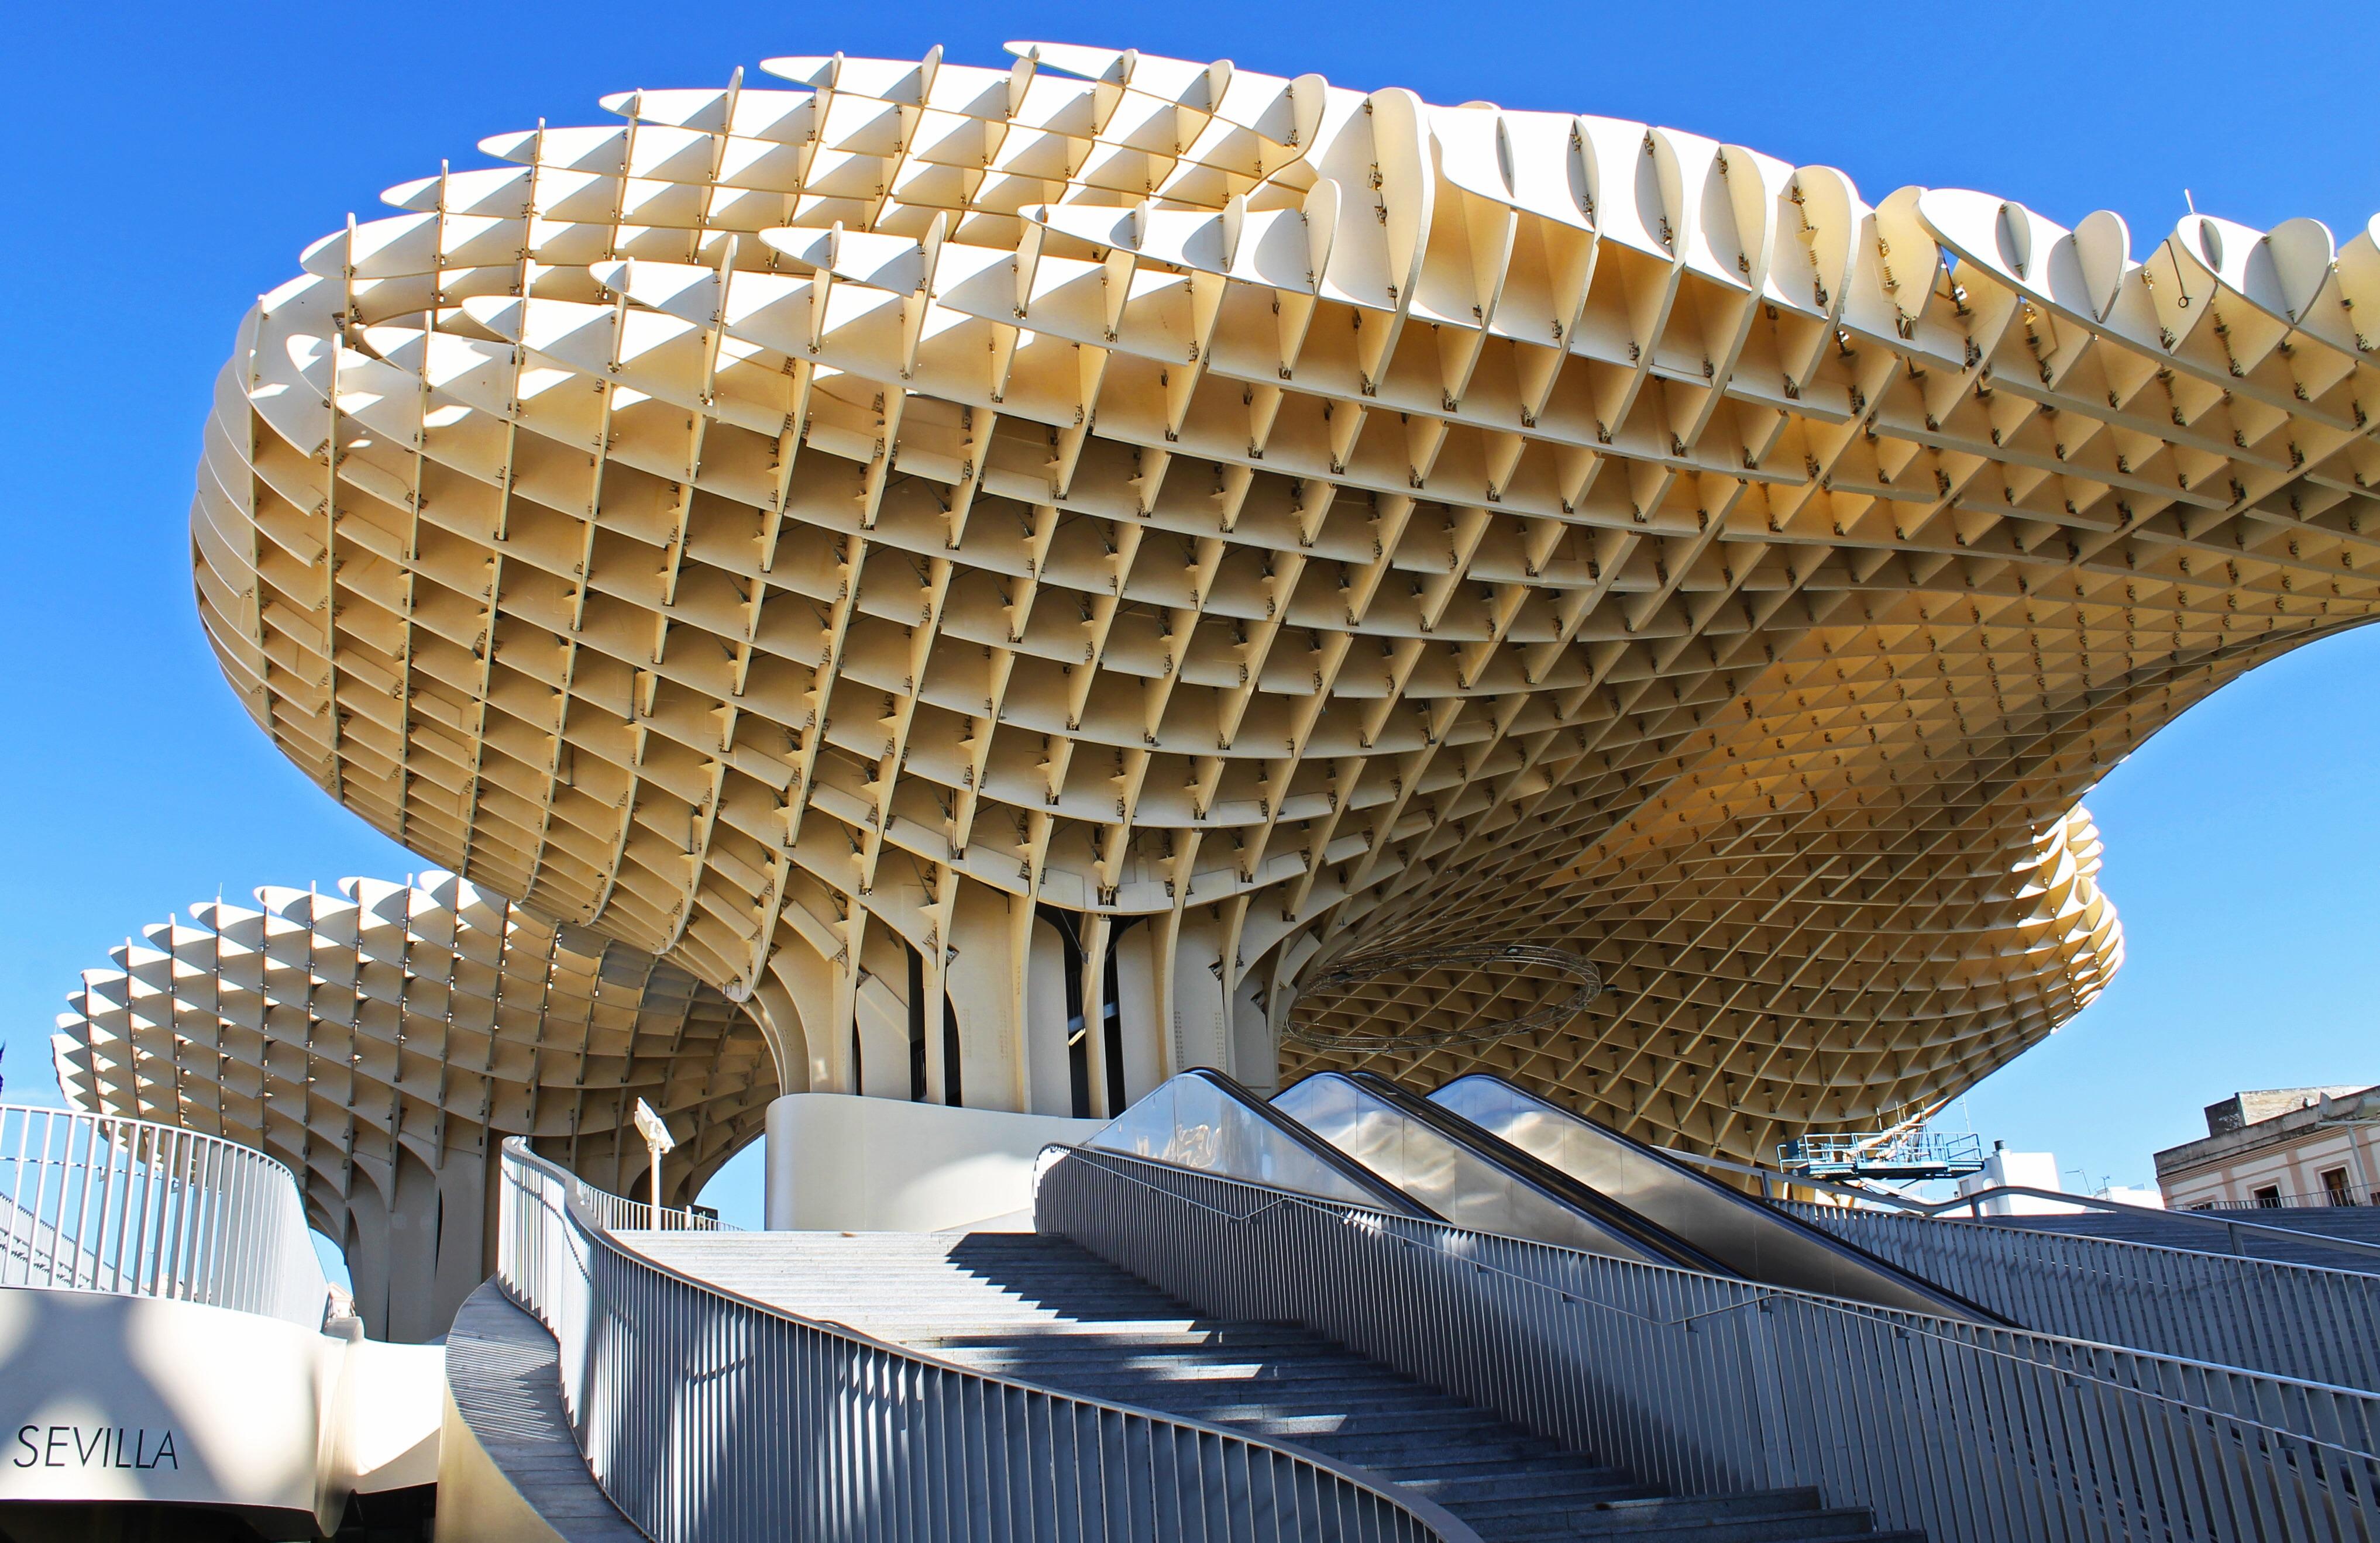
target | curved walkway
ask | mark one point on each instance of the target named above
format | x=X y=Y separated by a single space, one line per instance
x=519 y=1473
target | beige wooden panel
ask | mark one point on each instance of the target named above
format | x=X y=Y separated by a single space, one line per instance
x=1319 y=523
x=382 y=1039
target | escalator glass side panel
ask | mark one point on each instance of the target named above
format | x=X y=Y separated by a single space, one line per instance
x=1205 y=1121
x=1754 y=1240
x=1649 y=1237
x=1460 y=1185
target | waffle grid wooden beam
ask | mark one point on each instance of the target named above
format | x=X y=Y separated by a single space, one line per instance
x=383 y=1040
x=1120 y=532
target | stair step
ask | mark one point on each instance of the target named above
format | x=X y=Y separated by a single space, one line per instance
x=1790 y=1528
x=1413 y=1459
x=1188 y=1365
x=1499 y=1485
x=1656 y=1509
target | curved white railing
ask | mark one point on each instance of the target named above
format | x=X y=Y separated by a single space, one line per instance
x=91 y=1202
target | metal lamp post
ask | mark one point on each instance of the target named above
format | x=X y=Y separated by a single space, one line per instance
x=658 y=1140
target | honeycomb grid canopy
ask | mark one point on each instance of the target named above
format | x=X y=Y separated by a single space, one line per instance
x=382 y=1040
x=1102 y=540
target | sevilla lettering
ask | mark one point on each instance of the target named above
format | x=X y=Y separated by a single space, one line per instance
x=99 y=1446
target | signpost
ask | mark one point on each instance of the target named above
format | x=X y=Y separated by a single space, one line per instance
x=658 y=1140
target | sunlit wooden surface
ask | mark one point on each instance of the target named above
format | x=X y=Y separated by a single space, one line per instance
x=863 y=529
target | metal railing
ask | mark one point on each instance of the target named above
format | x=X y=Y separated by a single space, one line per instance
x=706 y=1415
x=91 y=1202
x=1922 y=1153
x=2319 y=1200
x=616 y=1213
x=1704 y=1384
x=2294 y=1320
x=2237 y=1237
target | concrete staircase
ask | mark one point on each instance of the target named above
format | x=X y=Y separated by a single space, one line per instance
x=1045 y=1311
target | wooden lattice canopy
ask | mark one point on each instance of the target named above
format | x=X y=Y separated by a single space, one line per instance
x=1100 y=541
x=381 y=1041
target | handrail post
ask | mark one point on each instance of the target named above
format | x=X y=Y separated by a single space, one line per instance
x=1770 y=1425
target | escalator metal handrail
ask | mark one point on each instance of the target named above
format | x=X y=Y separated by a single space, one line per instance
x=1217 y=1145
x=1050 y=1155
x=1757 y=1293
x=1393 y=1199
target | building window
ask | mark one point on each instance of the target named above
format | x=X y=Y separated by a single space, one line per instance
x=2268 y=1194
x=2334 y=1187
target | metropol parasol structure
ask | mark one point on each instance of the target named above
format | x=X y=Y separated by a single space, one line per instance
x=999 y=585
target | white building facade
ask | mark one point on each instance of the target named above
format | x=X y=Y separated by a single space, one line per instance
x=2279 y=1147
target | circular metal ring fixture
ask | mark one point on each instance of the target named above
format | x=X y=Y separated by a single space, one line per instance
x=1553 y=967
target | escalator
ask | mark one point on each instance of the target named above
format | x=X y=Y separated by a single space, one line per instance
x=1747 y=1236
x=1487 y=1156
x=1468 y=1177
x=1203 y=1119
x=1484 y=1155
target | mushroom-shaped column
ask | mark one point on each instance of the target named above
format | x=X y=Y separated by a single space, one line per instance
x=383 y=1040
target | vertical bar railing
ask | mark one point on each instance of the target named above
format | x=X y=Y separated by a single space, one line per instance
x=2346 y=1197
x=2239 y=1235
x=616 y=1213
x=92 y=1202
x=707 y=1415
x=2293 y=1320
x=1970 y=1432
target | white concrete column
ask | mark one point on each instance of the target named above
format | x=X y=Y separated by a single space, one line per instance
x=984 y=977
x=1192 y=970
x=1255 y=1060
x=855 y=1164
x=1140 y=1008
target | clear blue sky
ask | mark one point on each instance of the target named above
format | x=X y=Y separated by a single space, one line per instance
x=166 y=163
